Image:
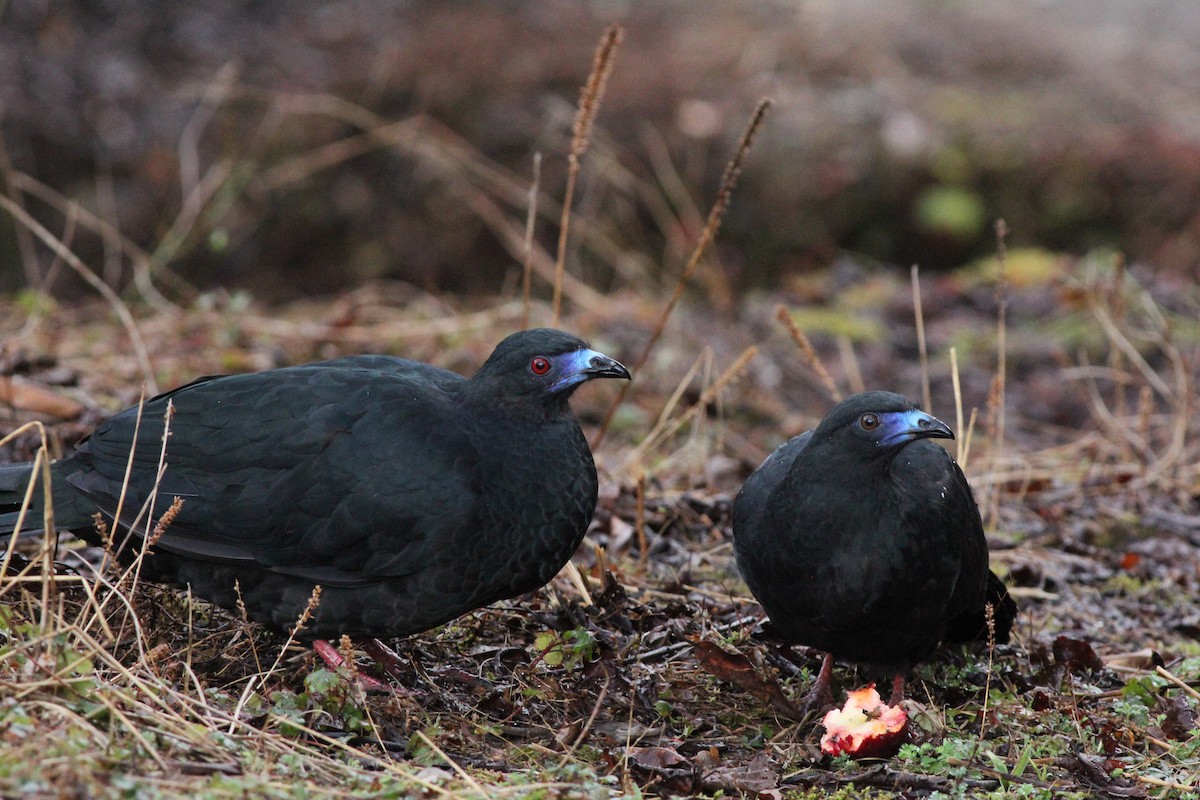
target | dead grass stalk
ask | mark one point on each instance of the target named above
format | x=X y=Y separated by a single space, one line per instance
x=585 y=117
x=530 y=220
x=712 y=225
x=809 y=354
x=60 y=250
x=919 y=314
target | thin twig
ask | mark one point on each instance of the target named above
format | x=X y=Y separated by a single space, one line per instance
x=587 y=726
x=850 y=365
x=1163 y=672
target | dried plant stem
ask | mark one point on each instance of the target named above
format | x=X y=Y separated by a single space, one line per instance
x=918 y=312
x=1117 y=301
x=73 y=261
x=811 y=359
x=512 y=239
x=1163 y=672
x=960 y=442
x=1121 y=341
x=585 y=117
x=142 y=262
x=530 y=220
x=989 y=615
x=996 y=397
x=640 y=517
x=966 y=452
x=728 y=184
x=310 y=608
x=587 y=726
x=663 y=431
x=462 y=773
x=850 y=364
x=42 y=454
x=109 y=552
x=1001 y=328
x=576 y=578
x=25 y=243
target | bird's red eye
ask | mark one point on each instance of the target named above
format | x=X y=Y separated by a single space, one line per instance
x=540 y=365
x=869 y=422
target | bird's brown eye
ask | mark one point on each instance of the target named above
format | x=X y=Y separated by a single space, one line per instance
x=540 y=365
x=869 y=422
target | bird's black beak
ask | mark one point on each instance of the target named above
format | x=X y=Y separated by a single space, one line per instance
x=601 y=366
x=584 y=365
x=925 y=426
x=905 y=426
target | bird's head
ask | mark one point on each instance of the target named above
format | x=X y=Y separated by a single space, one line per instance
x=878 y=423
x=542 y=366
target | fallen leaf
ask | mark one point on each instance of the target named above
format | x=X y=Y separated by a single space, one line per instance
x=737 y=669
x=1076 y=655
x=758 y=775
x=668 y=771
x=27 y=396
x=1179 y=722
x=656 y=758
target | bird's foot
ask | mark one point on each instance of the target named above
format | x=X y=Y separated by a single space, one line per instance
x=334 y=659
x=820 y=697
x=897 y=689
x=385 y=657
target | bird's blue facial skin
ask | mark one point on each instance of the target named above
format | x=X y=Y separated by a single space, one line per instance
x=571 y=369
x=897 y=427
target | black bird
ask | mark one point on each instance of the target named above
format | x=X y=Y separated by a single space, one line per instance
x=409 y=493
x=861 y=538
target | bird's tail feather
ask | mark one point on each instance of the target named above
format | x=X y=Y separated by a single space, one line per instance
x=69 y=508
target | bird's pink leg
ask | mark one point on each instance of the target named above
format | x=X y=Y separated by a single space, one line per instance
x=897 y=689
x=333 y=659
x=820 y=696
x=384 y=656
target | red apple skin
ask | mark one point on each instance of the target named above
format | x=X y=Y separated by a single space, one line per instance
x=865 y=727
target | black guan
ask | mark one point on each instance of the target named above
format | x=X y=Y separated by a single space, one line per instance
x=861 y=538
x=409 y=493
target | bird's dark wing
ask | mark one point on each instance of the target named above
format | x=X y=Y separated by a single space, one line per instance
x=752 y=499
x=936 y=505
x=343 y=472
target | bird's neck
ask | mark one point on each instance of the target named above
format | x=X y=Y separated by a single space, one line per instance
x=505 y=410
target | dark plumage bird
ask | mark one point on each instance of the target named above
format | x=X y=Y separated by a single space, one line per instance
x=861 y=538
x=409 y=493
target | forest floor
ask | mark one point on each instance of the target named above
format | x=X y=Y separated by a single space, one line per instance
x=638 y=672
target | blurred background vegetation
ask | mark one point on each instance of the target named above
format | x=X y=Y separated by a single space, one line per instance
x=301 y=148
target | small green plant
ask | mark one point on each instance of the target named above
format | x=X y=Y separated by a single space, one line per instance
x=569 y=650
